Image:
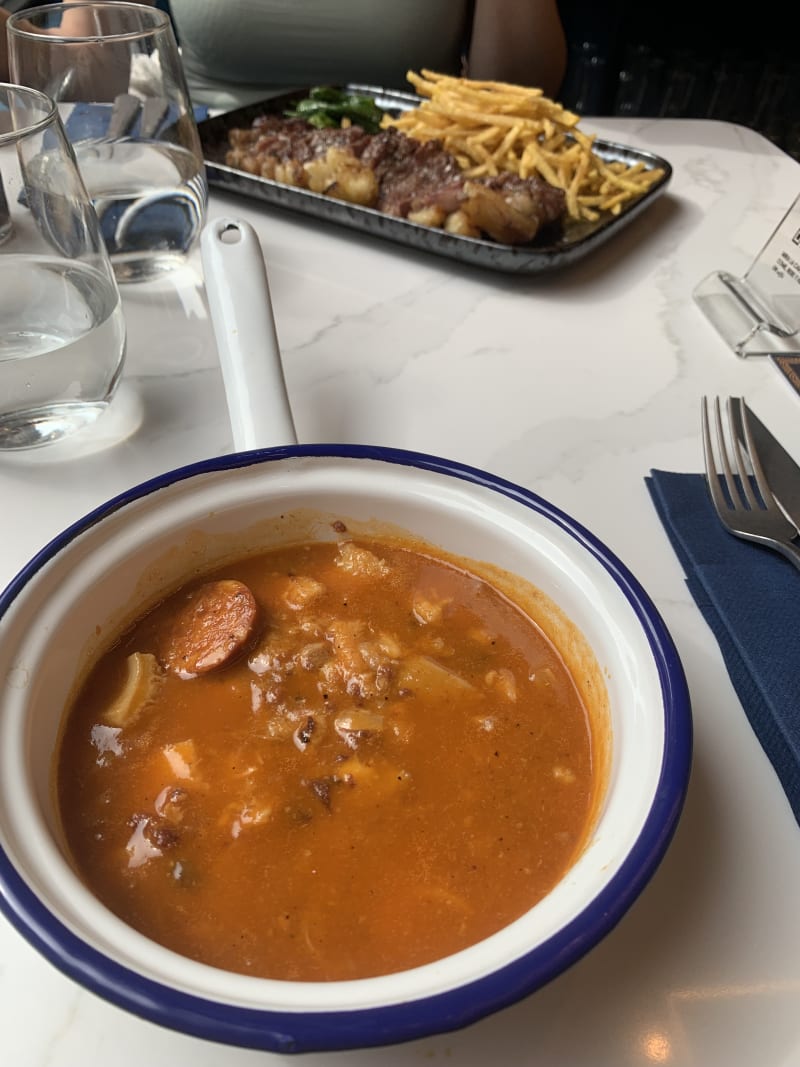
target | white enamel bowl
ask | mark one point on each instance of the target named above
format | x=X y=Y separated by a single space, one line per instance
x=88 y=583
x=70 y=598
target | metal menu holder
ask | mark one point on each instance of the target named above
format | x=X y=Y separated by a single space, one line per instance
x=759 y=314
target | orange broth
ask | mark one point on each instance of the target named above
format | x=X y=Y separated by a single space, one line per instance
x=394 y=765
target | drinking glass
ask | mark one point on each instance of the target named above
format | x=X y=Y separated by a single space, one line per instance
x=5 y=217
x=62 y=332
x=116 y=74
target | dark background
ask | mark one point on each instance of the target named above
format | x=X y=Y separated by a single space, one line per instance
x=705 y=59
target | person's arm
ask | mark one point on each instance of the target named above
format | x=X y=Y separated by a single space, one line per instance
x=80 y=25
x=519 y=41
x=81 y=22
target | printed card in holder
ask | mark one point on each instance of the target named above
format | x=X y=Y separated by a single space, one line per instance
x=759 y=313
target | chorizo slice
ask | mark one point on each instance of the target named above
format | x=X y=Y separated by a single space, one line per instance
x=211 y=627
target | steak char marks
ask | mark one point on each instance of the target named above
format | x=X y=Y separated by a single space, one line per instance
x=416 y=180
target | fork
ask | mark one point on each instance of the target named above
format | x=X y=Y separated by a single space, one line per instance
x=753 y=516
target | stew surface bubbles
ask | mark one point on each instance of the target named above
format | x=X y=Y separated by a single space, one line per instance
x=329 y=761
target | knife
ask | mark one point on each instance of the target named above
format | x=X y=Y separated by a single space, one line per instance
x=783 y=473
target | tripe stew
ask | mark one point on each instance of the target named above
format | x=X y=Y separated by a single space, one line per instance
x=330 y=761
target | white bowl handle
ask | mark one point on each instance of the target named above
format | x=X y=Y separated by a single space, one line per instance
x=244 y=327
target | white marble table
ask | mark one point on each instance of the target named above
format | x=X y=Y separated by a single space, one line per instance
x=574 y=384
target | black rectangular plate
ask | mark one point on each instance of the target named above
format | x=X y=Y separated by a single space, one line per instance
x=574 y=241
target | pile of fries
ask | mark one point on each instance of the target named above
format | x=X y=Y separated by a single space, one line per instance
x=492 y=128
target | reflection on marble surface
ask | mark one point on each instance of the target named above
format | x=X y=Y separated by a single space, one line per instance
x=574 y=384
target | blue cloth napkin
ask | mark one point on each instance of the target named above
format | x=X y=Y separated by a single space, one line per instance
x=91 y=120
x=750 y=597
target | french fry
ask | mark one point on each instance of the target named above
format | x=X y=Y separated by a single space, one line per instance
x=494 y=127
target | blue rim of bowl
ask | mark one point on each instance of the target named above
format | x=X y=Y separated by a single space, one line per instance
x=289 y=1032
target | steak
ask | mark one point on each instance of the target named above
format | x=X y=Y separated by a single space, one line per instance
x=416 y=180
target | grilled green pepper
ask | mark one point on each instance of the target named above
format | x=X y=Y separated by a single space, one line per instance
x=325 y=106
